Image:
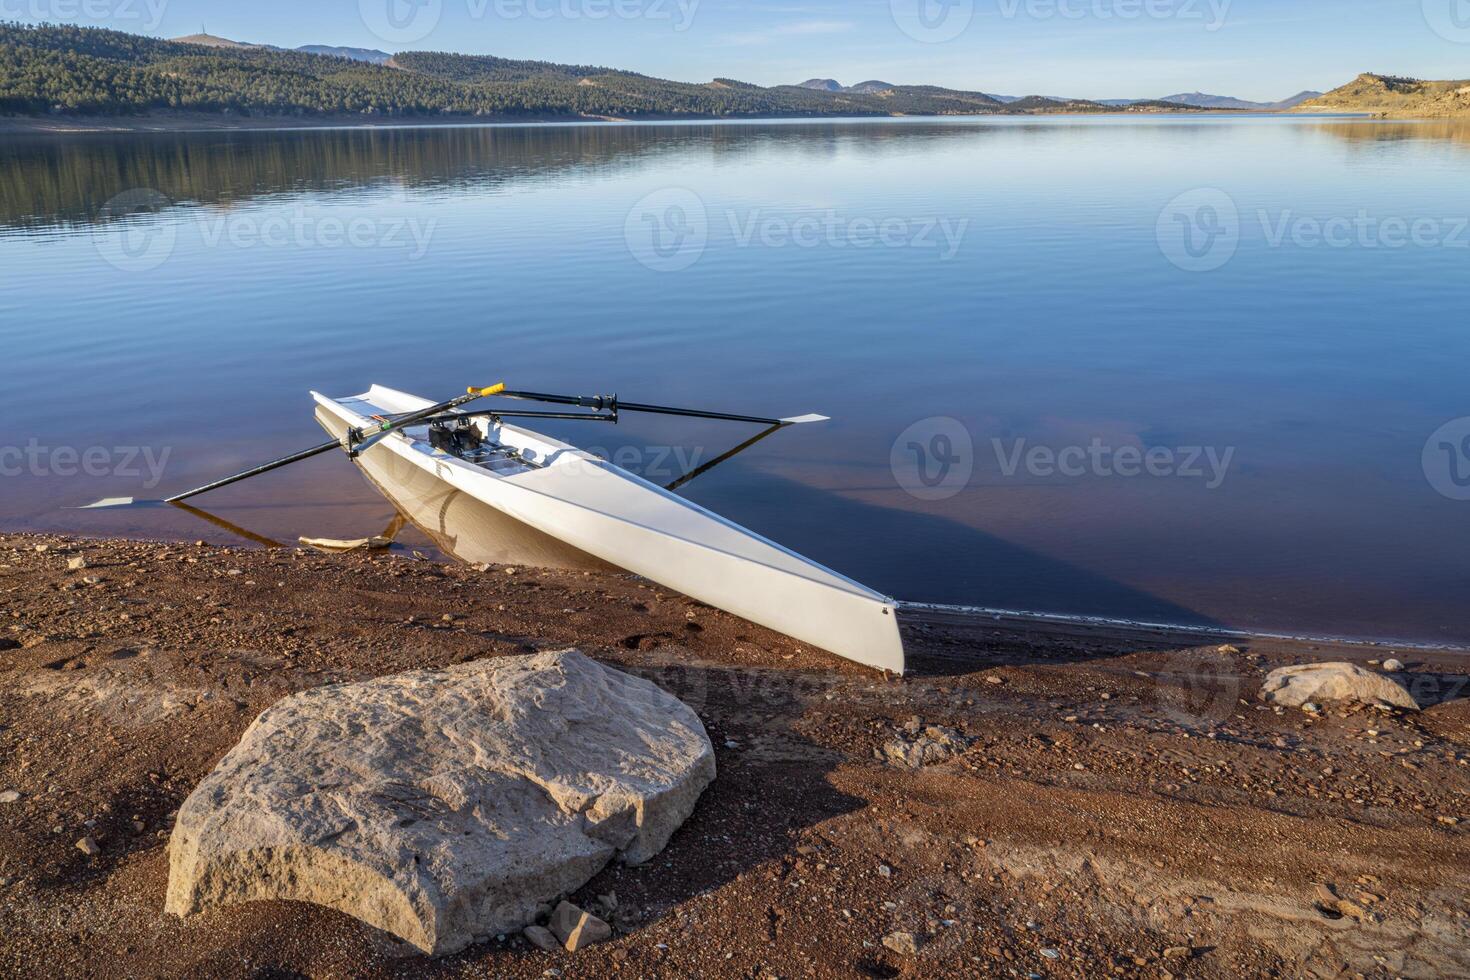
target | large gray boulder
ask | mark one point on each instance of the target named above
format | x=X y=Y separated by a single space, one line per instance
x=443 y=804
x=1296 y=686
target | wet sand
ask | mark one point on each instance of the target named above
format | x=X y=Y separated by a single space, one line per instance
x=1125 y=807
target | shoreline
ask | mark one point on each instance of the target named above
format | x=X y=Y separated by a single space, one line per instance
x=82 y=125
x=1118 y=628
x=1123 y=805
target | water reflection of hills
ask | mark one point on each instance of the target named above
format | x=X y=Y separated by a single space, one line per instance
x=48 y=182
x=55 y=182
x=1365 y=132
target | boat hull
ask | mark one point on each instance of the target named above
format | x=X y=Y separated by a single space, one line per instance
x=567 y=508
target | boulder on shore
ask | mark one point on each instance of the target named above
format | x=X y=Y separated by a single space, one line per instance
x=443 y=804
x=1299 y=685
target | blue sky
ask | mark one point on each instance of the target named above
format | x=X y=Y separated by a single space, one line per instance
x=1255 y=49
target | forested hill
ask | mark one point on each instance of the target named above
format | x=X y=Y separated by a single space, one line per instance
x=59 y=70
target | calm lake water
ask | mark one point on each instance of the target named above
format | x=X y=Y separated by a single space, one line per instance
x=1187 y=369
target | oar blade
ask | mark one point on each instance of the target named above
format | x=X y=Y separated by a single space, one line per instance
x=108 y=503
x=805 y=419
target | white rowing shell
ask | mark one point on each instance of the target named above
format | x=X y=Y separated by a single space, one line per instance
x=578 y=511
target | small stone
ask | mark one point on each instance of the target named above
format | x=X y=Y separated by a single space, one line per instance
x=43 y=548
x=902 y=943
x=1393 y=666
x=9 y=796
x=1051 y=954
x=1449 y=821
x=93 y=580
x=139 y=826
x=89 y=846
x=994 y=679
x=448 y=617
x=576 y=928
x=541 y=938
x=76 y=564
x=1177 y=952
x=234 y=571
x=1228 y=649
x=884 y=871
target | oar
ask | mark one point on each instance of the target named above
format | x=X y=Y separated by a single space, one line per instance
x=357 y=441
x=613 y=403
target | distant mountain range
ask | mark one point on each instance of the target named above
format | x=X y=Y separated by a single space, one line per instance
x=369 y=55
x=1195 y=100
x=1012 y=99
x=861 y=88
x=1203 y=101
x=1388 y=95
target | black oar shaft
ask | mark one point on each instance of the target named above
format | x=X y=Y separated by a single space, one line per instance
x=699 y=471
x=354 y=439
x=488 y=413
x=580 y=401
x=612 y=401
x=695 y=413
x=325 y=447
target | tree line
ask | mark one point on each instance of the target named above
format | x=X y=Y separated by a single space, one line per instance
x=67 y=70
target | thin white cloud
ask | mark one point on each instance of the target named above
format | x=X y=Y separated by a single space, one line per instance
x=801 y=28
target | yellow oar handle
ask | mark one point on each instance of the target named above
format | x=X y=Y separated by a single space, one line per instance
x=487 y=392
